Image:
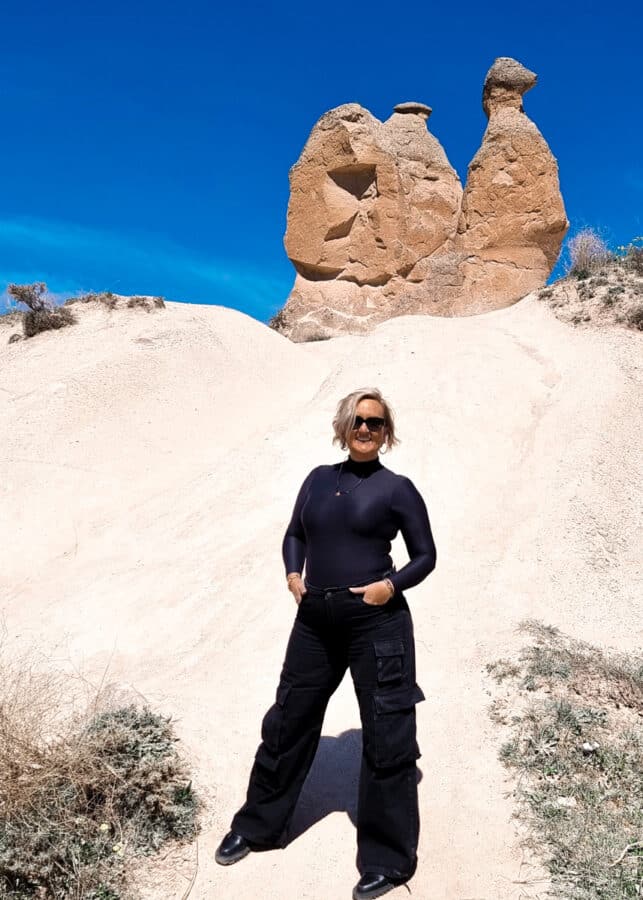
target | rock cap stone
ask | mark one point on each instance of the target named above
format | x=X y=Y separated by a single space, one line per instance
x=416 y=109
x=507 y=80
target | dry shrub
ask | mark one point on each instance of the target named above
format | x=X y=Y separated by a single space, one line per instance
x=42 y=315
x=632 y=256
x=587 y=253
x=15 y=337
x=635 y=260
x=82 y=789
x=146 y=303
x=634 y=317
x=278 y=321
x=39 y=320
x=106 y=298
x=576 y=747
x=11 y=317
x=32 y=295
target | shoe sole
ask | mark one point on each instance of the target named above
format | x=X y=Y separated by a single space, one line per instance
x=229 y=860
x=373 y=894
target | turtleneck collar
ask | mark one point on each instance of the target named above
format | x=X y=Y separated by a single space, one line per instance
x=362 y=468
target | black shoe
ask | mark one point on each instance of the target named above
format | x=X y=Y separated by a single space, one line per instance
x=231 y=849
x=371 y=885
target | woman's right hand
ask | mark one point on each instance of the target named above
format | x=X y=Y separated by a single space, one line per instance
x=296 y=586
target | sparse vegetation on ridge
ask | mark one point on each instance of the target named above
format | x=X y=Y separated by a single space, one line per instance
x=105 y=297
x=600 y=286
x=43 y=315
x=81 y=795
x=146 y=303
x=575 y=714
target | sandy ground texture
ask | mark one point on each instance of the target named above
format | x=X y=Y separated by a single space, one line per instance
x=148 y=466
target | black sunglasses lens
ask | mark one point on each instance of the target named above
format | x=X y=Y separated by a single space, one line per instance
x=373 y=423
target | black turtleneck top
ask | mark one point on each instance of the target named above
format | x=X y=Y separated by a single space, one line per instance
x=345 y=540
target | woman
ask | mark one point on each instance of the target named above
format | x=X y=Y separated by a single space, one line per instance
x=352 y=614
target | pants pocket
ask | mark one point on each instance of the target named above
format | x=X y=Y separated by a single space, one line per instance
x=273 y=721
x=266 y=765
x=389 y=657
x=393 y=741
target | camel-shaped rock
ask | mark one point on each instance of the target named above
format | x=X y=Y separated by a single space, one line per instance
x=379 y=226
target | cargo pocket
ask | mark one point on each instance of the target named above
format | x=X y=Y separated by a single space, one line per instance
x=394 y=734
x=389 y=660
x=273 y=721
x=266 y=765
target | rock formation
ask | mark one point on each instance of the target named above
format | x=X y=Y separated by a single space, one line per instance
x=513 y=219
x=378 y=225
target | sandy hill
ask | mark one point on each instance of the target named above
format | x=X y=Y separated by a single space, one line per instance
x=148 y=467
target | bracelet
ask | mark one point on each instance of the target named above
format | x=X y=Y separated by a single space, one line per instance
x=390 y=585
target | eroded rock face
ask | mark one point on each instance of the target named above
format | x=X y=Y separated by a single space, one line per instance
x=513 y=219
x=368 y=199
x=378 y=225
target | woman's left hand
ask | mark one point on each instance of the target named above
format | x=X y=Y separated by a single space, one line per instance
x=375 y=594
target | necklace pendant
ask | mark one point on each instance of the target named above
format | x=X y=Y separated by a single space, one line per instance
x=338 y=493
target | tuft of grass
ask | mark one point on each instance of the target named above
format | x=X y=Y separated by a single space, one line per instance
x=577 y=750
x=501 y=669
x=82 y=792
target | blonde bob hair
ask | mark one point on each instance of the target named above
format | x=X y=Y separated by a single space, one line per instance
x=345 y=416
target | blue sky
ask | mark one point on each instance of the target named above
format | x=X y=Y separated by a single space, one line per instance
x=146 y=146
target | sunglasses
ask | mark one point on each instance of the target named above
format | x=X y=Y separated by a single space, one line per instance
x=373 y=423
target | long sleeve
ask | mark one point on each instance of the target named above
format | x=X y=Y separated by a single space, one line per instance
x=412 y=517
x=293 y=548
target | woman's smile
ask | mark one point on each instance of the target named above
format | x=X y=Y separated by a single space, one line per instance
x=364 y=443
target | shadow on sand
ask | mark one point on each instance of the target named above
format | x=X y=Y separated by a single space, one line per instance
x=332 y=783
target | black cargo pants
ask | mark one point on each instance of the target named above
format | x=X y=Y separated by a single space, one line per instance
x=334 y=630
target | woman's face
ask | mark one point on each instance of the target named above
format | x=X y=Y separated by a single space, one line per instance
x=364 y=445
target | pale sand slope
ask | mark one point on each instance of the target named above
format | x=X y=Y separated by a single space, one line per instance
x=148 y=467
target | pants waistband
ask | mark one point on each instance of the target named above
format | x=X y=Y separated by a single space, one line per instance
x=334 y=589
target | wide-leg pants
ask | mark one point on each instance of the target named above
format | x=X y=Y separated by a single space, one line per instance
x=335 y=630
